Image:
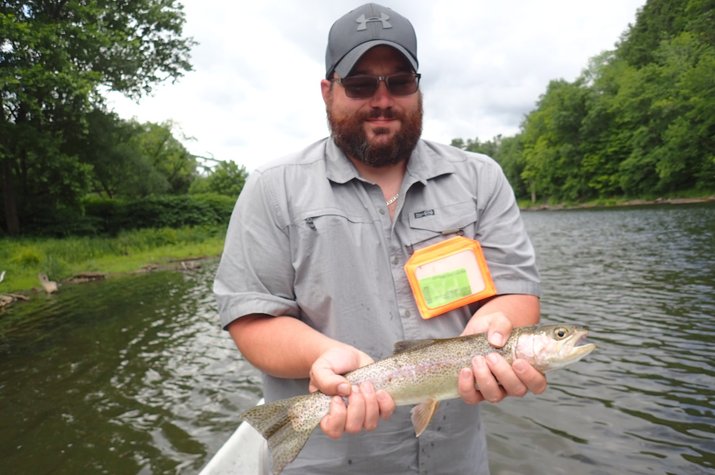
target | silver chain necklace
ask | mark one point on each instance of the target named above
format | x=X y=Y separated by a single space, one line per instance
x=392 y=199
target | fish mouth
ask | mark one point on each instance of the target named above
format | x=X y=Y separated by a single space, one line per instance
x=576 y=347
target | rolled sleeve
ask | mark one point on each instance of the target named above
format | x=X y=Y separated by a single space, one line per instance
x=503 y=237
x=255 y=273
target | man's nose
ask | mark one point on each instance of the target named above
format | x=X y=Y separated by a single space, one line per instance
x=382 y=96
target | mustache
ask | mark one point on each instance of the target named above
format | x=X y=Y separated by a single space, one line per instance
x=380 y=113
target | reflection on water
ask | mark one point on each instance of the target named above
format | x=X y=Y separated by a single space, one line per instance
x=644 y=281
x=133 y=375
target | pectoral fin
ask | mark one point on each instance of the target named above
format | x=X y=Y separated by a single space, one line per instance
x=422 y=414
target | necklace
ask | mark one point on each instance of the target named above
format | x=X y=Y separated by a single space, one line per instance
x=392 y=200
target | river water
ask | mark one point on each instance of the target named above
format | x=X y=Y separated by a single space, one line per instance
x=134 y=376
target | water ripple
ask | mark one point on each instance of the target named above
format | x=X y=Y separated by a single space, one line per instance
x=137 y=377
x=644 y=281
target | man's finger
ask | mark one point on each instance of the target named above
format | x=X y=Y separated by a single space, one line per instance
x=506 y=376
x=372 y=409
x=386 y=403
x=333 y=424
x=488 y=385
x=324 y=379
x=466 y=388
x=534 y=380
x=356 y=411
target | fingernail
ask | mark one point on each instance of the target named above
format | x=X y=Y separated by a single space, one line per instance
x=367 y=388
x=493 y=358
x=344 y=389
x=479 y=361
x=356 y=389
x=497 y=339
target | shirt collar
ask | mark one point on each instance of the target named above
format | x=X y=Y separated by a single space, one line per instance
x=425 y=163
x=338 y=168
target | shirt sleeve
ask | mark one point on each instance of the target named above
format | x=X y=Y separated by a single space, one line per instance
x=503 y=237
x=255 y=274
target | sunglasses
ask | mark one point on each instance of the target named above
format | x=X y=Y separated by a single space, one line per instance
x=363 y=86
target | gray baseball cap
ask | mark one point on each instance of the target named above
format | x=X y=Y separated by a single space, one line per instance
x=367 y=26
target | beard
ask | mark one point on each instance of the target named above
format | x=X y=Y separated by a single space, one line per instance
x=349 y=135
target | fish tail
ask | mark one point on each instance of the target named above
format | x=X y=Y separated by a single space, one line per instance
x=287 y=424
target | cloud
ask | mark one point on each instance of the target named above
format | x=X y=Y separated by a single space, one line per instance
x=254 y=93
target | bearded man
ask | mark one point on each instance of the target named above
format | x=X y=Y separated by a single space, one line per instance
x=312 y=282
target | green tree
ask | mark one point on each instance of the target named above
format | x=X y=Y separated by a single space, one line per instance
x=606 y=127
x=508 y=151
x=687 y=153
x=666 y=99
x=490 y=147
x=129 y=159
x=639 y=120
x=552 y=142
x=226 y=178
x=510 y=156
x=167 y=155
x=55 y=58
x=667 y=106
x=656 y=21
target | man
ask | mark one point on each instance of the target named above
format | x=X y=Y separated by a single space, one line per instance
x=312 y=283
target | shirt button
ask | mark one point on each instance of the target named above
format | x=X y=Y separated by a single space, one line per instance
x=382 y=211
x=395 y=260
x=405 y=313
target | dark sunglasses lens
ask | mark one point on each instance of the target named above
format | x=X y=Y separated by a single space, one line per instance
x=362 y=87
x=359 y=87
x=402 y=84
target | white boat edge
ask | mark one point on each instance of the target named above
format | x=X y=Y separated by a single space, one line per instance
x=244 y=453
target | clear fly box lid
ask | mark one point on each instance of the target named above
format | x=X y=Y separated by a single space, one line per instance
x=449 y=275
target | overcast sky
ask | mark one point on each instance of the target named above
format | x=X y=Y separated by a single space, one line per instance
x=254 y=93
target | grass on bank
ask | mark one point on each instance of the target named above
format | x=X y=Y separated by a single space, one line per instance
x=692 y=196
x=23 y=259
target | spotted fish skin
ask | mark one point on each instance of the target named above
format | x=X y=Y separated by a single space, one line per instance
x=421 y=372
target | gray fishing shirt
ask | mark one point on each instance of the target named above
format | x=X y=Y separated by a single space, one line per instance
x=309 y=238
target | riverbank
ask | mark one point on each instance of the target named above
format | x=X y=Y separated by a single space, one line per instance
x=72 y=260
x=616 y=202
x=24 y=262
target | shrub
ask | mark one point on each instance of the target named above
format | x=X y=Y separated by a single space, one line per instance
x=28 y=256
x=104 y=216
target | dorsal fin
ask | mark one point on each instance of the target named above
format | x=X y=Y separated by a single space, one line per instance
x=405 y=345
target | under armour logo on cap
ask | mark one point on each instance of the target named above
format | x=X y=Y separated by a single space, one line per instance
x=363 y=28
x=362 y=21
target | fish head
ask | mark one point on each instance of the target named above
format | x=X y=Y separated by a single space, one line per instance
x=550 y=347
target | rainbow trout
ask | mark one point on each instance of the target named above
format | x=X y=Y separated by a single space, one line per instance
x=420 y=372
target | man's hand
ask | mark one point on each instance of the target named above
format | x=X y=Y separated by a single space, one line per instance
x=365 y=405
x=491 y=378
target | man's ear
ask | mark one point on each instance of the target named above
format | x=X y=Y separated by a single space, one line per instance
x=326 y=90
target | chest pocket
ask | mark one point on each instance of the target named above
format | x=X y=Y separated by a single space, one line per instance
x=430 y=226
x=335 y=257
x=330 y=232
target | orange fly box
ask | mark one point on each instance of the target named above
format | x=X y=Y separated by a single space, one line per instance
x=449 y=275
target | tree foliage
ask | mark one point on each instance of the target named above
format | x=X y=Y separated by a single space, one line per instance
x=131 y=159
x=638 y=121
x=226 y=178
x=508 y=151
x=55 y=58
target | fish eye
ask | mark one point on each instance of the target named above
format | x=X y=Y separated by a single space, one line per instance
x=561 y=332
